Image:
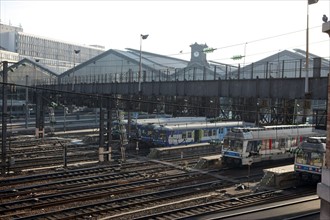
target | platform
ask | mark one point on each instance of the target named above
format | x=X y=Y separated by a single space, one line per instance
x=279 y=177
x=209 y=162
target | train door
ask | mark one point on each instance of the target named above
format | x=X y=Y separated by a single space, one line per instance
x=196 y=136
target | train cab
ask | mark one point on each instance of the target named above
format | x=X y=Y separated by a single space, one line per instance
x=244 y=146
x=310 y=158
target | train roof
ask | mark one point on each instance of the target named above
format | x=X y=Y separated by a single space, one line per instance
x=190 y=126
x=314 y=144
x=147 y=121
x=179 y=147
x=319 y=139
x=280 y=131
x=14 y=102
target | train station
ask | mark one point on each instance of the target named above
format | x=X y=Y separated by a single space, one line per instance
x=131 y=134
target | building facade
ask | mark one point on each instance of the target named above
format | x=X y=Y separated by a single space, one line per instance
x=58 y=56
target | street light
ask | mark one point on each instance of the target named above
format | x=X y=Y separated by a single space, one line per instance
x=142 y=37
x=309 y=2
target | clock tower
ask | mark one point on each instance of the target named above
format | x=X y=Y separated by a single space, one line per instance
x=197 y=54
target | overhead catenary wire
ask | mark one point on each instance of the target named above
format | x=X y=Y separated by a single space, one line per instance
x=218 y=48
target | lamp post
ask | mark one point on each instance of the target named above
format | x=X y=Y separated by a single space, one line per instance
x=309 y=2
x=142 y=37
x=307 y=48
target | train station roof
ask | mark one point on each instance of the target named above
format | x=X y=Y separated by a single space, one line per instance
x=285 y=63
x=152 y=61
x=27 y=68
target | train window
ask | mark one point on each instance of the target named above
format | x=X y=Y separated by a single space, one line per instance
x=214 y=132
x=300 y=158
x=253 y=146
x=265 y=144
x=184 y=135
x=238 y=146
x=189 y=134
x=292 y=141
x=162 y=135
x=233 y=145
x=225 y=142
x=316 y=159
x=205 y=133
x=282 y=143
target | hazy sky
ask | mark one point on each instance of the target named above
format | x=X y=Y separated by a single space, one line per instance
x=255 y=28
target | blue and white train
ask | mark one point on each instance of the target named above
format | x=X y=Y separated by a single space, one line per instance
x=310 y=158
x=244 y=146
x=186 y=133
x=138 y=126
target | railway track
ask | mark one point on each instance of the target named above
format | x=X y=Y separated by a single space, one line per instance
x=135 y=189
x=144 y=167
x=86 y=191
x=76 y=195
x=238 y=202
x=293 y=208
x=160 y=190
x=49 y=156
x=48 y=153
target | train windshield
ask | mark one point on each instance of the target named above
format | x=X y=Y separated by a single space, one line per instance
x=309 y=158
x=159 y=135
x=232 y=145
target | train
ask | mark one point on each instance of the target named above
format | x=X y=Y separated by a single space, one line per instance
x=310 y=158
x=184 y=133
x=139 y=126
x=17 y=108
x=136 y=126
x=248 y=145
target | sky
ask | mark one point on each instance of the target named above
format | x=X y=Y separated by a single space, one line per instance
x=253 y=29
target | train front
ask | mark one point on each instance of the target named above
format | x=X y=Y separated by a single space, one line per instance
x=310 y=158
x=232 y=148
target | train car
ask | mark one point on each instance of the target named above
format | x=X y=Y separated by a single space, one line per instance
x=17 y=108
x=143 y=129
x=189 y=133
x=244 y=146
x=310 y=158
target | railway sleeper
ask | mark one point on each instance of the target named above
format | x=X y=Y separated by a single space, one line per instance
x=189 y=212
